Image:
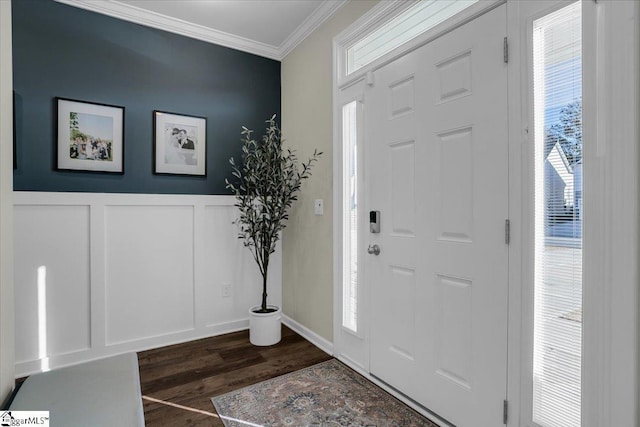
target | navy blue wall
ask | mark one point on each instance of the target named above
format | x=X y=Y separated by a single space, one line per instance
x=59 y=50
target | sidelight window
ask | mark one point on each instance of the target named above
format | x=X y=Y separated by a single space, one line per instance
x=350 y=218
x=557 y=352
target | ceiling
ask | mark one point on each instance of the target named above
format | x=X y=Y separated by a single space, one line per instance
x=270 y=28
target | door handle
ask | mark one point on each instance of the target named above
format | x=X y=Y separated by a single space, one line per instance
x=374 y=249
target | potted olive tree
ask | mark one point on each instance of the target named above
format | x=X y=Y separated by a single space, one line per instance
x=266 y=184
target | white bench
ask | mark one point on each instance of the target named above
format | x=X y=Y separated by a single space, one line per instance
x=103 y=392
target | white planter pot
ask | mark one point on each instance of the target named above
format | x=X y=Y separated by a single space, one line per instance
x=264 y=328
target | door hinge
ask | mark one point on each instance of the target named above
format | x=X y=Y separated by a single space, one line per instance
x=505 y=50
x=507 y=231
x=505 y=411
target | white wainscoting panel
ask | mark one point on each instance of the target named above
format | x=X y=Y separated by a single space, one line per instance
x=149 y=268
x=127 y=272
x=221 y=242
x=51 y=249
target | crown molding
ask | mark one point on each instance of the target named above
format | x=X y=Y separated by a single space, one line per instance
x=313 y=21
x=148 y=18
x=152 y=19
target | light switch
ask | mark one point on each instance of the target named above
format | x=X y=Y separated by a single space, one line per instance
x=318 y=207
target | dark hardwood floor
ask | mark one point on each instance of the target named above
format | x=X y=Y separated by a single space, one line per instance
x=178 y=381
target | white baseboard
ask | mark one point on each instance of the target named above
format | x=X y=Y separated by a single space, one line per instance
x=62 y=361
x=315 y=339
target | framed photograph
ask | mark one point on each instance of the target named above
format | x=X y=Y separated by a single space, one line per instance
x=179 y=144
x=90 y=136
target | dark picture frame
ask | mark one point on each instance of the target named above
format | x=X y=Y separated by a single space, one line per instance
x=179 y=144
x=90 y=136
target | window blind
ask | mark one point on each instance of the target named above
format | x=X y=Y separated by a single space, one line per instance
x=557 y=358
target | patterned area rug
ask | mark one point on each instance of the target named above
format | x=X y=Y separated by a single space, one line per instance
x=324 y=395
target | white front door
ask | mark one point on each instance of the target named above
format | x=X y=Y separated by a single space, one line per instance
x=436 y=140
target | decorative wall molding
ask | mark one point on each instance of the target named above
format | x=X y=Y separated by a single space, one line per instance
x=103 y=274
x=178 y=26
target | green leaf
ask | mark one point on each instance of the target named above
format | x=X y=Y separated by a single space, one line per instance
x=267 y=183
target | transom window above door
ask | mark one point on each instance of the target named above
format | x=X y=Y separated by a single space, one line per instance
x=374 y=42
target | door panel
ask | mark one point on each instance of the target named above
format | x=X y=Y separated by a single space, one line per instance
x=453 y=342
x=402 y=157
x=455 y=210
x=436 y=135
